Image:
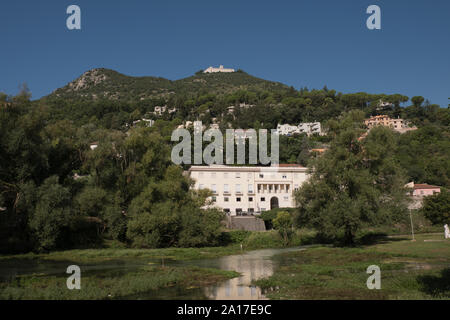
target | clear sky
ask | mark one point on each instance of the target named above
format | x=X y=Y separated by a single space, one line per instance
x=300 y=43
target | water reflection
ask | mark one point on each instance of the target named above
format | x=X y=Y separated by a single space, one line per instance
x=252 y=266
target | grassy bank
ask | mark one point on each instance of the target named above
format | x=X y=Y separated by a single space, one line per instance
x=409 y=270
x=104 y=254
x=233 y=241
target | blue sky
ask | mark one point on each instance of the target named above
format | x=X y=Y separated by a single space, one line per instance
x=301 y=43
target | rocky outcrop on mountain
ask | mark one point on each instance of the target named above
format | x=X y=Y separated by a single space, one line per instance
x=89 y=78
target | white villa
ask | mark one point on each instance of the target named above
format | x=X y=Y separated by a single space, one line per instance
x=250 y=190
x=219 y=69
x=159 y=110
x=287 y=129
x=307 y=127
x=147 y=122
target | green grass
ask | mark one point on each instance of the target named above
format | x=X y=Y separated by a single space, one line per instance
x=272 y=239
x=99 y=255
x=111 y=285
x=409 y=270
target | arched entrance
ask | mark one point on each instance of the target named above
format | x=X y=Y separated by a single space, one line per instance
x=274 y=203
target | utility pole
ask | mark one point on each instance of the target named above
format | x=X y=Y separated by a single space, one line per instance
x=412 y=227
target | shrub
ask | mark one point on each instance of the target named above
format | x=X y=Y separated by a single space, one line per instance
x=239 y=236
x=270 y=215
x=263 y=239
x=436 y=208
x=283 y=224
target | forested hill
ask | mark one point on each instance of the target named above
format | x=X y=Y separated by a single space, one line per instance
x=58 y=191
x=108 y=84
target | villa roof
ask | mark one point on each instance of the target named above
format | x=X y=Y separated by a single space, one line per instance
x=424 y=186
x=282 y=167
x=289 y=165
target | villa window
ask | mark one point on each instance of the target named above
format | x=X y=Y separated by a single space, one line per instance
x=238 y=199
x=250 y=199
x=263 y=199
x=226 y=199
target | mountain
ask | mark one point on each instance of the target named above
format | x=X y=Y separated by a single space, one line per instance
x=103 y=83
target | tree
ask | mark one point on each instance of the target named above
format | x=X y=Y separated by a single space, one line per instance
x=168 y=213
x=417 y=101
x=436 y=208
x=283 y=223
x=425 y=155
x=357 y=183
x=52 y=214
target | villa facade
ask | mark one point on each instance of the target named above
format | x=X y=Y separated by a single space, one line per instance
x=398 y=125
x=250 y=190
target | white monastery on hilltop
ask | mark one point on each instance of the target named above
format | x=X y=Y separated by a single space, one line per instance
x=250 y=190
x=219 y=69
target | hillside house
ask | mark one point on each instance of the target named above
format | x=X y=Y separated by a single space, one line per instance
x=419 y=191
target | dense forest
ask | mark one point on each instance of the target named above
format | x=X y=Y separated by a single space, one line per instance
x=57 y=192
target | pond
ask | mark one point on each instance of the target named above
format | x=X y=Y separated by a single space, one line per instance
x=251 y=265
